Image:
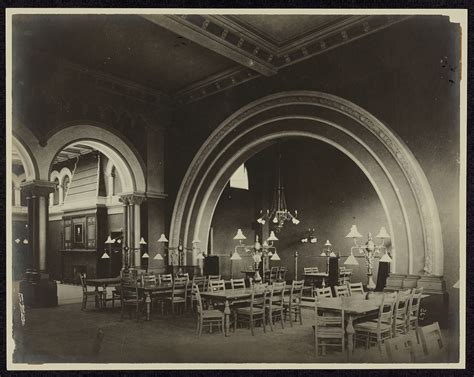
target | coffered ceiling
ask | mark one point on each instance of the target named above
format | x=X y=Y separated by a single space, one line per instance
x=184 y=57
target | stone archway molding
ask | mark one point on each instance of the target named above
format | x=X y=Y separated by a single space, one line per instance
x=386 y=160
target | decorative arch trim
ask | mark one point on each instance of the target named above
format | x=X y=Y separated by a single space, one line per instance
x=202 y=183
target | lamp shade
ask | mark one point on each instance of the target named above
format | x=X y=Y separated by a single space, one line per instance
x=272 y=237
x=158 y=257
x=327 y=243
x=275 y=256
x=265 y=244
x=456 y=285
x=25 y=241
x=200 y=256
x=354 y=233
x=257 y=245
x=142 y=241
x=323 y=254
x=386 y=258
x=162 y=238
x=105 y=256
x=235 y=256
x=351 y=261
x=109 y=240
x=332 y=254
x=17 y=240
x=313 y=239
x=383 y=233
x=295 y=221
x=239 y=236
x=145 y=255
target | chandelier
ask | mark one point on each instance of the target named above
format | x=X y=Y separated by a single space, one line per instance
x=279 y=214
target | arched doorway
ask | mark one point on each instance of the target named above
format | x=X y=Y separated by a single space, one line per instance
x=383 y=157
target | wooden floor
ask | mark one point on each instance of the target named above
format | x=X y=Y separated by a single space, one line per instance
x=66 y=334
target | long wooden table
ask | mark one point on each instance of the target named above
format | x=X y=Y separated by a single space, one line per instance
x=354 y=307
x=101 y=282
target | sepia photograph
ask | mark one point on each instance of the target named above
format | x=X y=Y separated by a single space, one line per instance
x=235 y=188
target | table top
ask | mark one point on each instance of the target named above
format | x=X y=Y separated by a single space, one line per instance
x=102 y=281
x=322 y=274
x=230 y=294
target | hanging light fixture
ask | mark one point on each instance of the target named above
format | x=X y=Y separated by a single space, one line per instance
x=279 y=213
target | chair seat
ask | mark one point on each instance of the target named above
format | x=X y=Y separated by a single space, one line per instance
x=176 y=299
x=276 y=308
x=400 y=322
x=213 y=313
x=247 y=310
x=371 y=326
x=413 y=318
x=329 y=331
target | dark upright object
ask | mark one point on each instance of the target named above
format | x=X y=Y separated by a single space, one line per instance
x=333 y=278
x=211 y=265
x=384 y=270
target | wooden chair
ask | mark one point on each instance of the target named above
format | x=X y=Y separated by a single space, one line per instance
x=356 y=288
x=165 y=278
x=433 y=342
x=414 y=310
x=293 y=302
x=237 y=283
x=129 y=297
x=200 y=282
x=254 y=313
x=400 y=313
x=274 y=274
x=323 y=292
x=206 y=317
x=328 y=329
x=282 y=273
x=341 y=290
x=401 y=349
x=307 y=270
x=179 y=294
x=376 y=331
x=314 y=270
x=86 y=293
x=275 y=304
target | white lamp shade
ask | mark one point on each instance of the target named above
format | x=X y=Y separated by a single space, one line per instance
x=327 y=243
x=25 y=241
x=304 y=240
x=119 y=241
x=456 y=285
x=105 y=256
x=162 y=238
x=313 y=240
x=196 y=240
x=383 y=233
x=295 y=221
x=257 y=245
x=109 y=240
x=200 y=256
x=272 y=237
x=386 y=258
x=323 y=254
x=354 y=233
x=235 y=256
x=275 y=256
x=332 y=254
x=265 y=244
x=17 y=240
x=239 y=236
x=351 y=261
x=158 y=257
x=142 y=241
x=275 y=220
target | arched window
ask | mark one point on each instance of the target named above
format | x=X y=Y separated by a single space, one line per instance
x=240 y=178
x=56 y=192
x=23 y=201
x=14 y=201
x=66 y=182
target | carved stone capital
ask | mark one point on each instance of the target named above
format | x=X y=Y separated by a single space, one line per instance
x=37 y=188
x=132 y=198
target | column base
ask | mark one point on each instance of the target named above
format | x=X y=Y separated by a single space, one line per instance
x=38 y=291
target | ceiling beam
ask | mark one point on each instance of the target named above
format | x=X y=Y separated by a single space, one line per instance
x=197 y=34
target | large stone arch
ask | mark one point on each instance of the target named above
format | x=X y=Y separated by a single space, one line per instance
x=27 y=158
x=125 y=158
x=392 y=169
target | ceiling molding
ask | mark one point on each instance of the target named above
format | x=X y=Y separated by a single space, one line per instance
x=351 y=29
x=206 y=32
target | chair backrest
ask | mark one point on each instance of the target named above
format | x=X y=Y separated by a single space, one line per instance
x=237 y=283
x=149 y=280
x=386 y=310
x=356 y=288
x=216 y=285
x=282 y=272
x=274 y=273
x=129 y=289
x=200 y=281
x=333 y=318
x=296 y=290
x=180 y=288
x=432 y=339
x=259 y=297
x=341 y=290
x=307 y=270
x=214 y=277
x=400 y=349
x=401 y=305
x=314 y=270
x=414 y=304
x=165 y=278
x=196 y=296
x=277 y=294
x=323 y=292
x=129 y=273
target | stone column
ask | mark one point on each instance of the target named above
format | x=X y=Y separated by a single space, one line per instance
x=38 y=290
x=132 y=226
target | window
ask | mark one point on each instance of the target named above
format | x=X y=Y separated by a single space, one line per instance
x=240 y=178
x=66 y=182
x=56 y=192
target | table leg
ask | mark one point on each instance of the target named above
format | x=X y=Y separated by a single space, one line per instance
x=148 y=305
x=227 y=317
x=104 y=293
x=97 y=297
x=350 y=337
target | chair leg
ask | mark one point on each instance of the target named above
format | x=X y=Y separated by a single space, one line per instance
x=264 y=328
x=201 y=324
x=290 y=312
x=281 y=319
x=222 y=325
x=251 y=325
x=301 y=318
x=270 y=320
